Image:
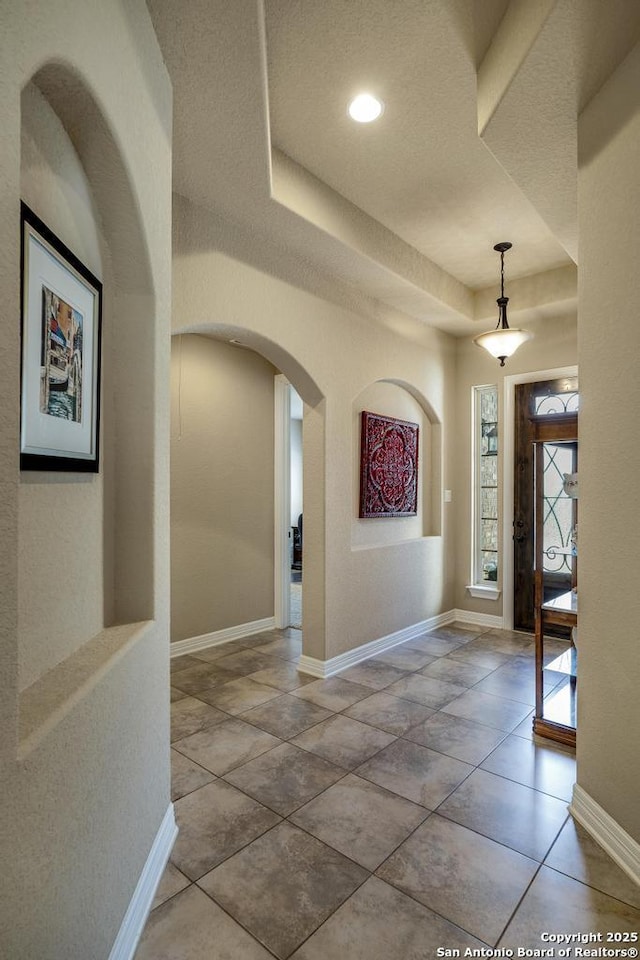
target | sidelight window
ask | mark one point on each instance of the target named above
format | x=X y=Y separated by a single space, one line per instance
x=485 y=487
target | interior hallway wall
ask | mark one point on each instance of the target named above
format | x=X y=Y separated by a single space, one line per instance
x=330 y=354
x=296 y=470
x=222 y=494
x=83 y=706
x=555 y=345
x=608 y=747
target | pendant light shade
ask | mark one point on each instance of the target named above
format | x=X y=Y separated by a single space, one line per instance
x=503 y=341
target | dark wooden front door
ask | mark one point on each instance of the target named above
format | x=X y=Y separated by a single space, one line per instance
x=533 y=401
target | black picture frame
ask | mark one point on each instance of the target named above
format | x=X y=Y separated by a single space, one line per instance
x=61 y=315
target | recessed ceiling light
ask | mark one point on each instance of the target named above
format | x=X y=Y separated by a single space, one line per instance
x=364 y=108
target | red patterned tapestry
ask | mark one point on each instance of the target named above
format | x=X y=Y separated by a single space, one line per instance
x=388 y=467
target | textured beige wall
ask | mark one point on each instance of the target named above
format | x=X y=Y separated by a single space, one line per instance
x=83 y=798
x=609 y=352
x=554 y=346
x=349 y=596
x=391 y=400
x=222 y=500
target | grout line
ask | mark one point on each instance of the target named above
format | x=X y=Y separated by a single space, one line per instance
x=354 y=772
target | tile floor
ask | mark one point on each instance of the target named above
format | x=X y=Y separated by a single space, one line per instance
x=400 y=807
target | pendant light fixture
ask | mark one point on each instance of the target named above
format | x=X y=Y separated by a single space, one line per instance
x=503 y=341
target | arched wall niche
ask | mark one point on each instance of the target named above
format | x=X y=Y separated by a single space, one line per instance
x=94 y=533
x=397 y=398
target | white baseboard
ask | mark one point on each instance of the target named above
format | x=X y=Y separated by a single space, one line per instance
x=193 y=644
x=327 y=668
x=488 y=620
x=607 y=832
x=139 y=907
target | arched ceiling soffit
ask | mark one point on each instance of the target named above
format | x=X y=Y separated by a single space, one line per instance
x=282 y=360
x=476 y=145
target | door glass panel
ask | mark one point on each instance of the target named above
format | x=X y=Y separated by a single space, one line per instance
x=559 y=519
x=559 y=508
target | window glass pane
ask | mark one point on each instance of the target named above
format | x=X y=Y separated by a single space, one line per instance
x=556 y=403
x=489 y=405
x=489 y=566
x=489 y=471
x=489 y=530
x=485 y=561
x=556 y=397
x=489 y=503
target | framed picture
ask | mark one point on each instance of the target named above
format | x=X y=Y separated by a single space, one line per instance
x=61 y=326
x=388 y=467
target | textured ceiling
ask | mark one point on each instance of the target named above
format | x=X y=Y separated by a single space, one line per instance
x=478 y=142
x=421 y=170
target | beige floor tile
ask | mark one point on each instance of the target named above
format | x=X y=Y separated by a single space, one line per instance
x=239 y=695
x=257 y=640
x=215 y=822
x=455 y=671
x=415 y=772
x=334 y=693
x=426 y=690
x=456 y=737
x=469 y=879
x=190 y=715
x=203 y=677
x=405 y=658
x=576 y=854
x=560 y=904
x=248 y=661
x=360 y=819
x=501 y=641
x=517 y=681
x=436 y=645
x=192 y=927
x=177 y=694
x=523 y=819
x=286 y=716
x=286 y=648
x=285 y=778
x=186 y=776
x=343 y=741
x=211 y=654
x=283 y=676
x=172 y=882
x=361 y=929
x=542 y=766
x=461 y=628
x=282 y=886
x=479 y=655
x=233 y=743
x=374 y=674
x=525 y=729
x=389 y=713
x=178 y=664
x=488 y=709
